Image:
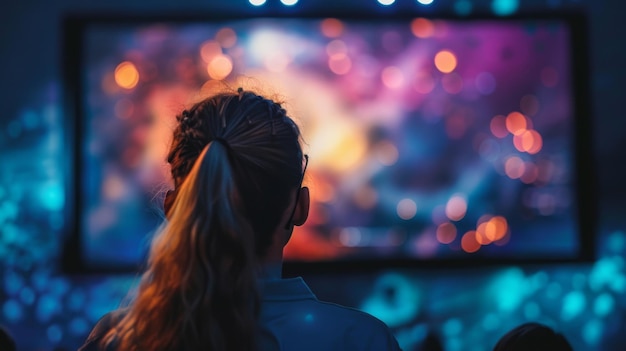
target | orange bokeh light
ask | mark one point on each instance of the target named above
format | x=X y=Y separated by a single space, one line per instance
x=529 y=141
x=516 y=123
x=331 y=27
x=481 y=234
x=445 y=61
x=469 y=243
x=496 y=228
x=126 y=75
x=209 y=50
x=422 y=28
x=220 y=67
x=446 y=233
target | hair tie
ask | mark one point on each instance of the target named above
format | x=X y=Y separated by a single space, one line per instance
x=240 y=92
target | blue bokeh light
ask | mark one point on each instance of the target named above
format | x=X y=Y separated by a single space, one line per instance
x=504 y=7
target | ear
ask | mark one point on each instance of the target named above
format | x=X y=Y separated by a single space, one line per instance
x=302 y=207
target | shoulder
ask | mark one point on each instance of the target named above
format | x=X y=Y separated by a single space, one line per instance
x=99 y=331
x=361 y=330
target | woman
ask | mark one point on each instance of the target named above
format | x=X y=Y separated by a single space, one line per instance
x=213 y=280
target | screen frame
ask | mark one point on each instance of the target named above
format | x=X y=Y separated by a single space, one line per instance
x=73 y=260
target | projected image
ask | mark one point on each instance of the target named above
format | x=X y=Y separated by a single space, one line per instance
x=428 y=139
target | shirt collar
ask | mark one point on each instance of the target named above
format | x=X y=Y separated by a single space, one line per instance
x=285 y=290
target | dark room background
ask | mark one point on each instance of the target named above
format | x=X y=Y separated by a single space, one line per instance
x=467 y=309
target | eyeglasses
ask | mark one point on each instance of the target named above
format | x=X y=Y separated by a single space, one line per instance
x=293 y=210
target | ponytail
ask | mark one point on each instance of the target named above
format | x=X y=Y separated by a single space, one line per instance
x=200 y=288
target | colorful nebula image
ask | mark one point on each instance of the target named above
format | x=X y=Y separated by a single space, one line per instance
x=428 y=139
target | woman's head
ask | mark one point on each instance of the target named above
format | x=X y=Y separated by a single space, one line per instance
x=236 y=162
x=258 y=147
x=532 y=336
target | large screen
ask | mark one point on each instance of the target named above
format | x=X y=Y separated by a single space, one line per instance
x=429 y=139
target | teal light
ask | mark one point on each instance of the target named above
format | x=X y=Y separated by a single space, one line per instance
x=52 y=196
x=508 y=289
x=504 y=7
x=463 y=7
x=574 y=304
x=603 y=305
x=395 y=300
x=592 y=332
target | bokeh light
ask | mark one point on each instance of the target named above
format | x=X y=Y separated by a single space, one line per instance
x=514 y=167
x=257 y=2
x=339 y=64
x=406 y=209
x=498 y=126
x=516 y=123
x=331 y=27
x=289 y=2
x=386 y=2
x=529 y=141
x=422 y=28
x=392 y=77
x=126 y=75
x=469 y=243
x=336 y=47
x=425 y=2
x=504 y=7
x=456 y=207
x=209 y=50
x=220 y=67
x=446 y=233
x=445 y=61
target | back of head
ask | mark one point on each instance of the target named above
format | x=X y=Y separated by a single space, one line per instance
x=532 y=337
x=236 y=162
